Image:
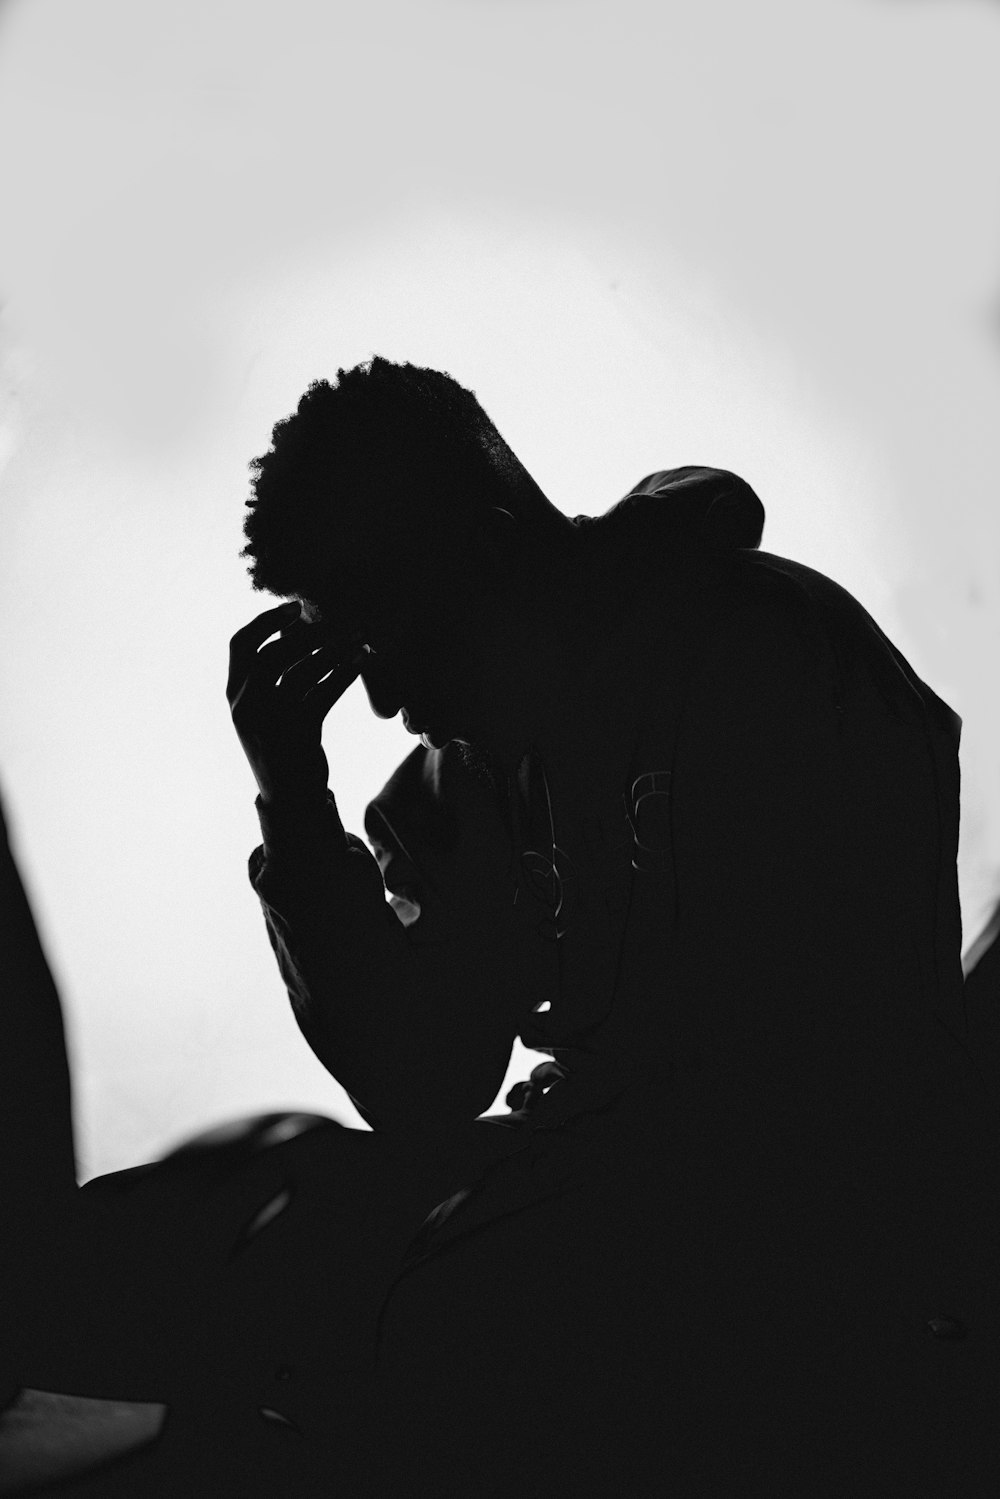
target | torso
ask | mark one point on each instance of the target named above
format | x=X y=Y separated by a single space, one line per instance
x=584 y=758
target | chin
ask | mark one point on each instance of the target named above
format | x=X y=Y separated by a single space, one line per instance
x=433 y=740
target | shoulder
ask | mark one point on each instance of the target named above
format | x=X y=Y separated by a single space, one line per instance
x=777 y=609
x=763 y=664
x=808 y=607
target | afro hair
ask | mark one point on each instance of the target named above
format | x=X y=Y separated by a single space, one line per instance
x=387 y=450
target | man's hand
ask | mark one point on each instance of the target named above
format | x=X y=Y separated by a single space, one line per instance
x=278 y=699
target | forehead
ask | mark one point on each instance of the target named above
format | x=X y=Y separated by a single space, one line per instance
x=379 y=624
x=380 y=598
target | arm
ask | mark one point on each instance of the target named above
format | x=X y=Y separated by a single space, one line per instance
x=412 y=1004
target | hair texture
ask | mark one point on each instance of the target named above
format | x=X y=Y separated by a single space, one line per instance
x=387 y=451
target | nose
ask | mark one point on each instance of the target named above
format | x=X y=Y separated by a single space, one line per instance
x=384 y=695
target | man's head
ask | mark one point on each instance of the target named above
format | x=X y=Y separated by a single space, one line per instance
x=392 y=507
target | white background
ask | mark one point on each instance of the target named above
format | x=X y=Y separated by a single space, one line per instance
x=762 y=236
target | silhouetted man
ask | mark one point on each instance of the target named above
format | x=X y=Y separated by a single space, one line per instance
x=681 y=817
x=684 y=818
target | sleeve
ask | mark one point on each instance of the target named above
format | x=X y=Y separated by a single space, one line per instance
x=411 y=1002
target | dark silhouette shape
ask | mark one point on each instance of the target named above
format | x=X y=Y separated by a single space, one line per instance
x=739 y=1235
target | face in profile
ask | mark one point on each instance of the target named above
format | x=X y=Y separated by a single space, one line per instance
x=422 y=657
x=453 y=646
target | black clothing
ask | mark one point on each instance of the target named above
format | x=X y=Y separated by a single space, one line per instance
x=722 y=1252
x=767 y=1130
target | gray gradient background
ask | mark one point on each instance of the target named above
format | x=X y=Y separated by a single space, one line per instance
x=757 y=235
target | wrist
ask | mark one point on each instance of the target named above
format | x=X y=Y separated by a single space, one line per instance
x=296 y=793
x=292 y=826
x=297 y=801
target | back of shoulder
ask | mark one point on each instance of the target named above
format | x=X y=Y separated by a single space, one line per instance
x=819 y=616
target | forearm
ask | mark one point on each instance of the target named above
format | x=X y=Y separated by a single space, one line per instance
x=303 y=839
x=324 y=906
x=408 y=1029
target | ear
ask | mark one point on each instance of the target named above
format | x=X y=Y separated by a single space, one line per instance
x=502 y=540
x=491 y=551
x=503 y=529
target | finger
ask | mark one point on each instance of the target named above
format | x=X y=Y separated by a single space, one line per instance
x=297 y=644
x=304 y=669
x=321 y=698
x=243 y=645
x=321 y=634
x=265 y=624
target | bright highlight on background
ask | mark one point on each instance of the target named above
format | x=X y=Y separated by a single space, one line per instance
x=760 y=237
